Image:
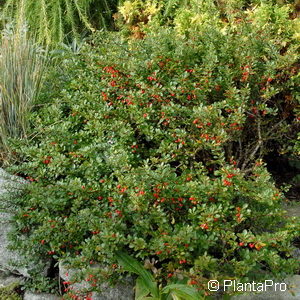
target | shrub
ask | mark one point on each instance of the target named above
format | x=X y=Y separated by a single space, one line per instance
x=156 y=147
x=134 y=16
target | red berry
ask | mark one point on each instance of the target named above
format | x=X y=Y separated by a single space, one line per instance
x=227 y=183
x=47 y=160
x=204 y=226
x=230 y=175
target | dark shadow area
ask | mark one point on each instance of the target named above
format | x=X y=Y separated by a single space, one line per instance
x=285 y=170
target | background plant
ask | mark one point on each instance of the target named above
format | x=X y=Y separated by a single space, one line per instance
x=22 y=64
x=134 y=16
x=53 y=21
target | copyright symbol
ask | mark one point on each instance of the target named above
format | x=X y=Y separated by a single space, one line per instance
x=213 y=285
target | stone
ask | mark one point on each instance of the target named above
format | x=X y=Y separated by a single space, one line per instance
x=293 y=210
x=10 y=279
x=10 y=182
x=40 y=296
x=296 y=253
x=67 y=274
x=8 y=257
x=121 y=291
x=10 y=260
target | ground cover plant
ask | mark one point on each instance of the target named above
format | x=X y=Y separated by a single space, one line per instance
x=156 y=148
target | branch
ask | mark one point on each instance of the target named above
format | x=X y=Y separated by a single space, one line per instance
x=256 y=148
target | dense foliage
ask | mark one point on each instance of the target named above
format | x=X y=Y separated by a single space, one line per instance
x=148 y=146
x=156 y=147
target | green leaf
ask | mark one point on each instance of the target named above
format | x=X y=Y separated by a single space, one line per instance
x=182 y=291
x=133 y=266
x=141 y=291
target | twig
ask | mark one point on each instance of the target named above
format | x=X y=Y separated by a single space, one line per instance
x=256 y=148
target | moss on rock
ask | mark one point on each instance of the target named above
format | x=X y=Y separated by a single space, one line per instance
x=9 y=292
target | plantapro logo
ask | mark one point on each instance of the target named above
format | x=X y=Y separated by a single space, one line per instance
x=235 y=286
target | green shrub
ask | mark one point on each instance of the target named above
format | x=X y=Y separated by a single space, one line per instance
x=156 y=147
x=188 y=15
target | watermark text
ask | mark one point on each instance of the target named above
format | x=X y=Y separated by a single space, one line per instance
x=235 y=286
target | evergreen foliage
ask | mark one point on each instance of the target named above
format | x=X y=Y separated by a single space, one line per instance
x=148 y=147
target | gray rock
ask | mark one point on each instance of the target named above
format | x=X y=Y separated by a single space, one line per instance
x=293 y=210
x=296 y=253
x=67 y=274
x=9 y=279
x=10 y=260
x=121 y=291
x=8 y=257
x=40 y=296
x=10 y=182
x=291 y=293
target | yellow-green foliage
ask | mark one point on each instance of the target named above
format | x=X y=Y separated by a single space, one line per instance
x=9 y=293
x=134 y=16
x=131 y=11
